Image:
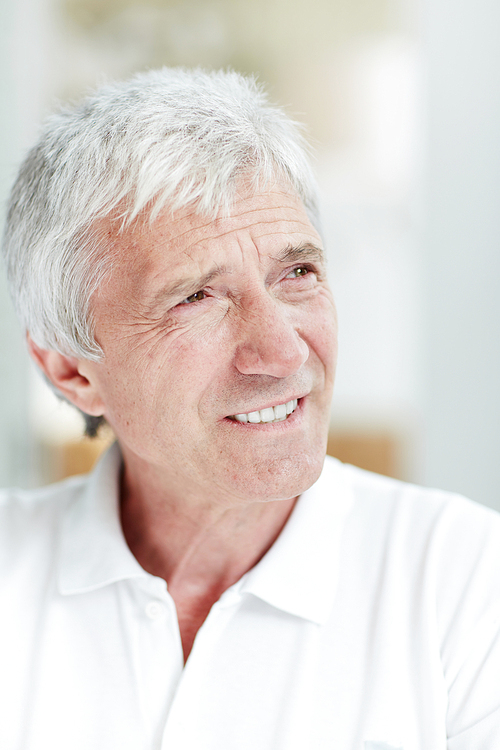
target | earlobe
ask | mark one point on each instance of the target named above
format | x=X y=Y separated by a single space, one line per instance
x=66 y=374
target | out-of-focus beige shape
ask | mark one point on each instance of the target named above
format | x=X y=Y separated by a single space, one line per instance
x=376 y=452
x=59 y=460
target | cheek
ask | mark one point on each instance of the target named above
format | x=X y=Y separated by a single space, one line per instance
x=187 y=368
x=322 y=330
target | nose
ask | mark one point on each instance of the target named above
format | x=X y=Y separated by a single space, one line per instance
x=269 y=342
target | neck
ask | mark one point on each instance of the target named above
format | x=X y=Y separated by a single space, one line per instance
x=199 y=548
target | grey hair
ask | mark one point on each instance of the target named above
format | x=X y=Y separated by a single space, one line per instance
x=165 y=138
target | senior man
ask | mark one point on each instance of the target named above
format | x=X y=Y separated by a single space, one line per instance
x=215 y=584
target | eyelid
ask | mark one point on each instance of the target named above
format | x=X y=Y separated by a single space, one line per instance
x=308 y=266
x=185 y=300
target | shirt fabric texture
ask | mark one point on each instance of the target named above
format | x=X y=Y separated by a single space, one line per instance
x=373 y=623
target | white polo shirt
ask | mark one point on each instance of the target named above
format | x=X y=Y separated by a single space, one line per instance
x=373 y=623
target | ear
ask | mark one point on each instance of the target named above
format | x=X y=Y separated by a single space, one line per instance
x=67 y=375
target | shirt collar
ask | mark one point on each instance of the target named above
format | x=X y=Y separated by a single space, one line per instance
x=94 y=552
x=298 y=574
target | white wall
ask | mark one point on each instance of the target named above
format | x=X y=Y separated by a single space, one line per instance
x=368 y=194
x=22 y=95
x=462 y=248
x=13 y=412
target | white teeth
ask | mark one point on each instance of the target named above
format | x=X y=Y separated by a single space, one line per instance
x=280 y=411
x=267 y=415
x=271 y=414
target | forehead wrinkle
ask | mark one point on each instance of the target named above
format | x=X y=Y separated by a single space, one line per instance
x=271 y=222
x=226 y=220
x=260 y=223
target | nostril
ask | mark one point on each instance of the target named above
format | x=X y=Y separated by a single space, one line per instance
x=278 y=360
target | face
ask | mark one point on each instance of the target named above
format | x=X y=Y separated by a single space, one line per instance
x=209 y=330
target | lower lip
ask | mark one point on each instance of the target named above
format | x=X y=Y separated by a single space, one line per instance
x=290 y=421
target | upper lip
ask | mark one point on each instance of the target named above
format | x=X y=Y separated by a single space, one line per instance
x=269 y=404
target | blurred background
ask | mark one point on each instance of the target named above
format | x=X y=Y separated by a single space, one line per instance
x=401 y=101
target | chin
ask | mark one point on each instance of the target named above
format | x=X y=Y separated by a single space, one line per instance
x=283 y=478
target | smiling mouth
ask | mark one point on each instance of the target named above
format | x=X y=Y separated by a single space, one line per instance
x=272 y=414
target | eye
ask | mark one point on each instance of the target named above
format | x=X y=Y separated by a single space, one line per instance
x=298 y=272
x=196 y=297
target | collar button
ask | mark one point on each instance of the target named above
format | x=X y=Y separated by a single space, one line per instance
x=155 y=610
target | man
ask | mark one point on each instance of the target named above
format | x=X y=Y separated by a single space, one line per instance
x=215 y=583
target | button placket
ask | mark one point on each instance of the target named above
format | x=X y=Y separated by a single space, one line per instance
x=180 y=730
x=159 y=655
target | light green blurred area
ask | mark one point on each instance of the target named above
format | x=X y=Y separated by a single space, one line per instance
x=292 y=45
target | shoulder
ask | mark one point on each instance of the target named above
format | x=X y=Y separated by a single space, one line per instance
x=30 y=519
x=420 y=508
x=439 y=543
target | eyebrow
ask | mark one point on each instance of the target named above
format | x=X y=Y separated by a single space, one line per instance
x=304 y=251
x=185 y=286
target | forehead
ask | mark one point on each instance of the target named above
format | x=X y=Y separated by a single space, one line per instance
x=264 y=214
x=262 y=225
